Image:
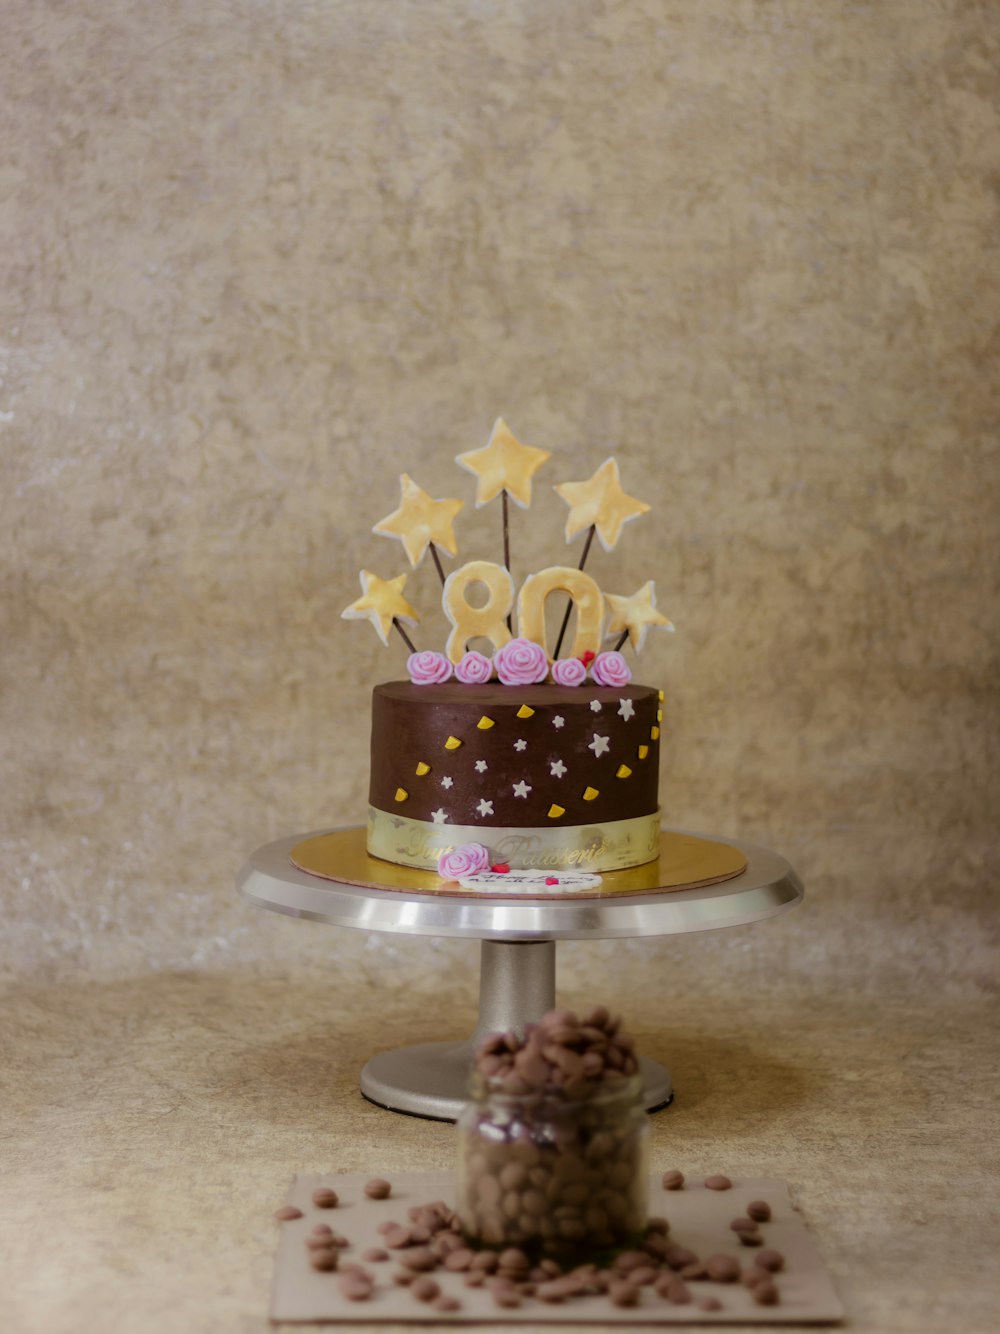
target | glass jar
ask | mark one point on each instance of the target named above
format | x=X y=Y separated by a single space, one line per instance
x=554 y=1175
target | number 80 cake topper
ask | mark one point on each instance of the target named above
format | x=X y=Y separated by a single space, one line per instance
x=505 y=467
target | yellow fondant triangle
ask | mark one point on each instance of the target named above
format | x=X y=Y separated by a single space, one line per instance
x=643 y=752
x=485 y=723
x=589 y=793
x=423 y=769
x=401 y=794
x=452 y=743
x=623 y=771
x=525 y=712
x=555 y=811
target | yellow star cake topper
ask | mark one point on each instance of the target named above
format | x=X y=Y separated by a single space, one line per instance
x=600 y=502
x=382 y=602
x=420 y=520
x=635 y=614
x=504 y=464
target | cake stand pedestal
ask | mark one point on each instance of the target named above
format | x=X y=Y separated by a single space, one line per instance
x=518 y=951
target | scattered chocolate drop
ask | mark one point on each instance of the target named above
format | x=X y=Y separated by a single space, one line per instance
x=718 y=1182
x=709 y=1304
x=722 y=1268
x=325 y=1198
x=644 y=1276
x=744 y=1225
x=354 y=1288
x=286 y=1213
x=378 y=1189
x=772 y=1261
x=673 y=1180
x=694 y=1271
x=425 y=1289
x=421 y=1260
x=375 y=1255
x=750 y=1239
x=325 y=1259
x=759 y=1211
x=444 y=1303
x=458 y=1259
x=508 y=1297
x=678 y=1293
x=766 y=1293
x=679 y=1257
x=623 y=1293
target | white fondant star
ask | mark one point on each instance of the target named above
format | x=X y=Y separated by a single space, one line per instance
x=439 y=816
x=521 y=789
x=599 y=745
x=595 y=706
x=446 y=782
x=557 y=768
x=520 y=745
x=481 y=766
x=557 y=721
x=625 y=709
x=485 y=807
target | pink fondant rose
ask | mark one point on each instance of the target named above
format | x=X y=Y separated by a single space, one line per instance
x=611 y=669
x=428 y=668
x=521 y=662
x=468 y=859
x=568 y=672
x=474 y=669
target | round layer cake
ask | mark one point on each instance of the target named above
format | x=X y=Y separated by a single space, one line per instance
x=543 y=776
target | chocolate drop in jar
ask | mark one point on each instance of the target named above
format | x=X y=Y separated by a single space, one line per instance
x=554 y=1175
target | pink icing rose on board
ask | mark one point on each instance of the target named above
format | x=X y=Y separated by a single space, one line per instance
x=568 y=672
x=428 y=668
x=521 y=662
x=468 y=859
x=474 y=669
x=611 y=669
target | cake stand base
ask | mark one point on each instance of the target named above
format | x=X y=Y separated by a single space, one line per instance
x=517 y=984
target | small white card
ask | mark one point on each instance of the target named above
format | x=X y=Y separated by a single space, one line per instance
x=531 y=880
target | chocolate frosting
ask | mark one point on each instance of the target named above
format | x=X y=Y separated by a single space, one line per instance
x=508 y=771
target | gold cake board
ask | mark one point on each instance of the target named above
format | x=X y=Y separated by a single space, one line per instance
x=684 y=862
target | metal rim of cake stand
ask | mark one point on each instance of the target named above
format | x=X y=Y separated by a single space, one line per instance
x=518 y=951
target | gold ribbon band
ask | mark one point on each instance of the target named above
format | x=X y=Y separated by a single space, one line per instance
x=612 y=846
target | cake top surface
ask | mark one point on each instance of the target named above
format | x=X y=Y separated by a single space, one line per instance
x=490 y=692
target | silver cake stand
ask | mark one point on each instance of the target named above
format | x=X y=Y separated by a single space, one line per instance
x=517 y=978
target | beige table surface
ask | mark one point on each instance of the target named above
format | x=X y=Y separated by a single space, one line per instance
x=154 y=1123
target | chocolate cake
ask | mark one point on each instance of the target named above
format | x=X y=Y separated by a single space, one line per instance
x=544 y=775
x=522 y=759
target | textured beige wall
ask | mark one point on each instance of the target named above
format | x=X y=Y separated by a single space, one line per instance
x=259 y=258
